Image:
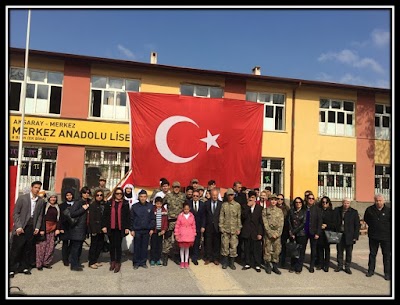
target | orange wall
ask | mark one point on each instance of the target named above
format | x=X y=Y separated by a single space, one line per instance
x=76 y=91
x=235 y=89
x=75 y=101
x=365 y=134
x=70 y=163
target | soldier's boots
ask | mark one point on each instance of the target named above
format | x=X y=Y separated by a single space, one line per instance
x=268 y=267
x=165 y=259
x=224 y=262
x=275 y=268
x=232 y=263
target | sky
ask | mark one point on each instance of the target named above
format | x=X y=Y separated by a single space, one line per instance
x=348 y=45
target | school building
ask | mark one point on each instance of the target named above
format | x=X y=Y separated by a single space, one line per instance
x=330 y=138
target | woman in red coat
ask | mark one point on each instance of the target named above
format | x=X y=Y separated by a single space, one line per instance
x=185 y=232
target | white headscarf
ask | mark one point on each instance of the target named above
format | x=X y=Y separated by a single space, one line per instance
x=134 y=198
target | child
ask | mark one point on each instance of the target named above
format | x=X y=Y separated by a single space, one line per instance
x=161 y=227
x=185 y=232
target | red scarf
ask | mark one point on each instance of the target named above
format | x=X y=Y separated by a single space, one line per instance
x=118 y=214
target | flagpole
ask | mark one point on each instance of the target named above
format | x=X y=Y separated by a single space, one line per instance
x=22 y=107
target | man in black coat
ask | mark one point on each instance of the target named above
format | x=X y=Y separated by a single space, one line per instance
x=252 y=233
x=313 y=228
x=212 y=236
x=347 y=221
x=198 y=208
x=379 y=220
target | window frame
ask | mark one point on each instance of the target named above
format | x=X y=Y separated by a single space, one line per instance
x=196 y=88
x=336 y=192
x=270 y=123
x=35 y=105
x=335 y=128
x=381 y=132
x=107 y=107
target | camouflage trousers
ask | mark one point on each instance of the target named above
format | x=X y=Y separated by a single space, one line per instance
x=229 y=243
x=169 y=240
x=272 y=249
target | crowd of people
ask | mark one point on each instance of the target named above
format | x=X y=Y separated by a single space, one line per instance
x=255 y=229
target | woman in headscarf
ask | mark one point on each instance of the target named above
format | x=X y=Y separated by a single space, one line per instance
x=49 y=230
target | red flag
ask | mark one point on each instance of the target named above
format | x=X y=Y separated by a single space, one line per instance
x=182 y=137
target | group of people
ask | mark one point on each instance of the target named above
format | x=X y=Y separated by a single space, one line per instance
x=245 y=226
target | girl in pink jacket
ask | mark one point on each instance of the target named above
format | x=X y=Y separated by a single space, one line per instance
x=185 y=232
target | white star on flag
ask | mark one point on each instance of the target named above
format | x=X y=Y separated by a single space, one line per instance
x=210 y=140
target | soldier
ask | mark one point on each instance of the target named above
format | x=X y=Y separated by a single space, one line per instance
x=230 y=225
x=174 y=202
x=273 y=224
x=101 y=186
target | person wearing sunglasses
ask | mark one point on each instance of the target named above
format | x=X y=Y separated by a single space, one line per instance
x=96 y=209
x=328 y=223
x=116 y=223
x=312 y=228
x=77 y=233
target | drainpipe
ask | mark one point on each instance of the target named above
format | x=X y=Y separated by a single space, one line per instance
x=292 y=141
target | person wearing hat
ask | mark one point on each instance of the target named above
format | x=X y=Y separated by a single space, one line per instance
x=143 y=221
x=195 y=183
x=102 y=186
x=49 y=230
x=200 y=188
x=65 y=226
x=273 y=220
x=174 y=202
x=230 y=224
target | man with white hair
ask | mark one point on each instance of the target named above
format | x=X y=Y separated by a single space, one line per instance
x=379 y=220
x=347 y=221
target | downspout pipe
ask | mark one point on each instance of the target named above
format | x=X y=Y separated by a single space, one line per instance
x=292 y=140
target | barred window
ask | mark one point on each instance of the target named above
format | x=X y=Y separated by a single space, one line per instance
x=113 y=165
x=383 y=180
x=336 y=180
x=272 y=174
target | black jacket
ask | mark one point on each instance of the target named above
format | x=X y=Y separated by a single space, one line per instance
x=253 y=223
x=78 y=232
x=351 y=224
x=379 y=222
x=125 y=217
x=212 y=220
x=297 y=221
x=328 y=218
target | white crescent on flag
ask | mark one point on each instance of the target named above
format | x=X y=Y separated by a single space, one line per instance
x=161 y=139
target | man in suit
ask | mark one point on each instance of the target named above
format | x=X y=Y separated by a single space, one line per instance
x=27 y=216
x=212 y=234
x=197 y=207
x=252 y=233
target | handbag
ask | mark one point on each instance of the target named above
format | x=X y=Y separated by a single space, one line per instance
x=71 y=221
x=333 y=237
x=292 y=249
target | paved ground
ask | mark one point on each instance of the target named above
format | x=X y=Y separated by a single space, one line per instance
x=204 y=281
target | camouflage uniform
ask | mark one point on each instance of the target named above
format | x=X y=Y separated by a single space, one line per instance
x=273 y=223
x=174 y=206
x=229 y=223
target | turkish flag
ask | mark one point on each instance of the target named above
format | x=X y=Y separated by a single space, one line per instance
x=183 y=137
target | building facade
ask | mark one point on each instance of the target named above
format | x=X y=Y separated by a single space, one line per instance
x=333 y=139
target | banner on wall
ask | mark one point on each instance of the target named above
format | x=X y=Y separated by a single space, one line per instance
x=185 y=137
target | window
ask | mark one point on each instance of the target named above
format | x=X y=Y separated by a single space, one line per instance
x=336 y=117
x=336 y=180
x=113 y=165
x=382 y=121
x=382 y=180
x=272 y=175
x=274 y=108
x=202 y=91
x=108 y=97
x=43 y=91
x=38 y=163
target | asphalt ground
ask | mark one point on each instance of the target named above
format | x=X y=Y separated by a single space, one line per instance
x=202 y=281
